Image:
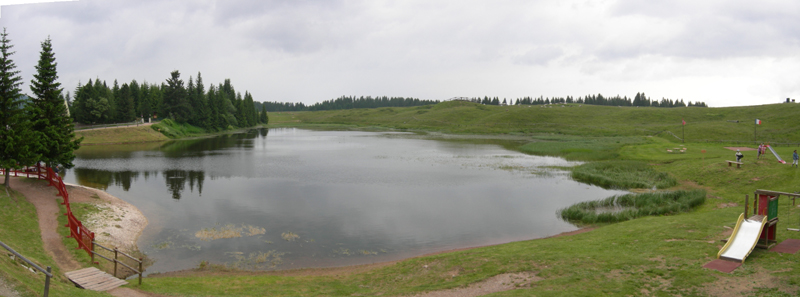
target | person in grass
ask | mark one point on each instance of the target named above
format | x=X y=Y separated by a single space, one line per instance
x=739 y=156
x=760 y=147
x=795 y=157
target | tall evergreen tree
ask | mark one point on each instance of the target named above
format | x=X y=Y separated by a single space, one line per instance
x=176 y=105
x=125 y=106
x=56 y=139
x=16 y=137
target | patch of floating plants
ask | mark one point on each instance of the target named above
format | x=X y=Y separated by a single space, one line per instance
x=289 y=236
x=258 y=260
x=228 y=231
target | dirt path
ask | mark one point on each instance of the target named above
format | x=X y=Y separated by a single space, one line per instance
x=43 y=197
x=115 y=127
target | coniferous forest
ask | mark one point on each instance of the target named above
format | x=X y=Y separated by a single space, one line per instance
x=639 y=100
x=348 y=102
x=213 y=108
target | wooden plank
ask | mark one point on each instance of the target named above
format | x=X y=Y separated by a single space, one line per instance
x=82 y=271
x=94 y=279
x=83 y=274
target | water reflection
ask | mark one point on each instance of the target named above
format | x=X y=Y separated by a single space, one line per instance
x=348 y=197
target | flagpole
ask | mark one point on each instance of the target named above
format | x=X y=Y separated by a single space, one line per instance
x=755 y=125
x=683 y=133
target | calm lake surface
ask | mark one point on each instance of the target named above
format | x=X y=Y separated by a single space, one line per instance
x=301 y=198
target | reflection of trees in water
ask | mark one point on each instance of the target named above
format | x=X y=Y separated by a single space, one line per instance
x=101 y=179
x=177 y=180
x=204 y=146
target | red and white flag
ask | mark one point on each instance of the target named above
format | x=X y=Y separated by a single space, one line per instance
x=684 y=122
x=758 y=122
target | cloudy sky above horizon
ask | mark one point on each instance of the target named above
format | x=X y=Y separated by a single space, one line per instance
x=724 y=53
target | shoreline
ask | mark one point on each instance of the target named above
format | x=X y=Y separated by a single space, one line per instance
x=340 y=270
x=118 y=224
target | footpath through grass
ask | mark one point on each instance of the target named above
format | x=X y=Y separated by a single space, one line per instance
x=19 y=228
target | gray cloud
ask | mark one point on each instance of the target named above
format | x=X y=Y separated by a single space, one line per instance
x=315 y=50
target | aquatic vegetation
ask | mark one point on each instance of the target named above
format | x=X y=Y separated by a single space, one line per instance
x=163 y=245
x=289 y=236
x=228 y=231
x=622 y=175
x=630 y=206
x=258 y=260
x=253 y=230
x=367 y=253
x=341 y=252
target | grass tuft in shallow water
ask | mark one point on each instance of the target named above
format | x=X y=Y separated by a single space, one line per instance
x=633 y=206
x=228 y=231
x=622 y=175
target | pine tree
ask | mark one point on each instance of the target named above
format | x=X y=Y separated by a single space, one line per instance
x=16 y=137
x=56 y=136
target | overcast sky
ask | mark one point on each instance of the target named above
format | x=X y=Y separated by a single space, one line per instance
x=725 y=53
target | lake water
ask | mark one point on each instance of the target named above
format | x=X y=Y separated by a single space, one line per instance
x=300 y=198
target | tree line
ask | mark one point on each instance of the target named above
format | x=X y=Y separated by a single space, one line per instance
x=348 y=102
x=217 y=108
x=41 y=129
x=639 y=100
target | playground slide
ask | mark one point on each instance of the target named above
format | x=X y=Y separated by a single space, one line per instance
x=743 y=240
x=776 y=155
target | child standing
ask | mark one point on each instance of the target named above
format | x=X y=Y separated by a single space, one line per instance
x=760 y=147
x=795 y=157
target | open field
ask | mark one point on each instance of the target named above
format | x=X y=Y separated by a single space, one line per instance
x=460 y=117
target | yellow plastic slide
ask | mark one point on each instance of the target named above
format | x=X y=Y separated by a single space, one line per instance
x=744 y=238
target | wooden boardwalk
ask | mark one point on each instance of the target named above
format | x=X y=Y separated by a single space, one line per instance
x=93 y=279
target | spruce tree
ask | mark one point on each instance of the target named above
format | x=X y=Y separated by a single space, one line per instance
x=16 y=137
x=56 y=136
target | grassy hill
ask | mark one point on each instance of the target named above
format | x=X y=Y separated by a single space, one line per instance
x=460 y=117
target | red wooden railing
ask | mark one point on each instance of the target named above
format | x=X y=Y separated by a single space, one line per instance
x=82 y=235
